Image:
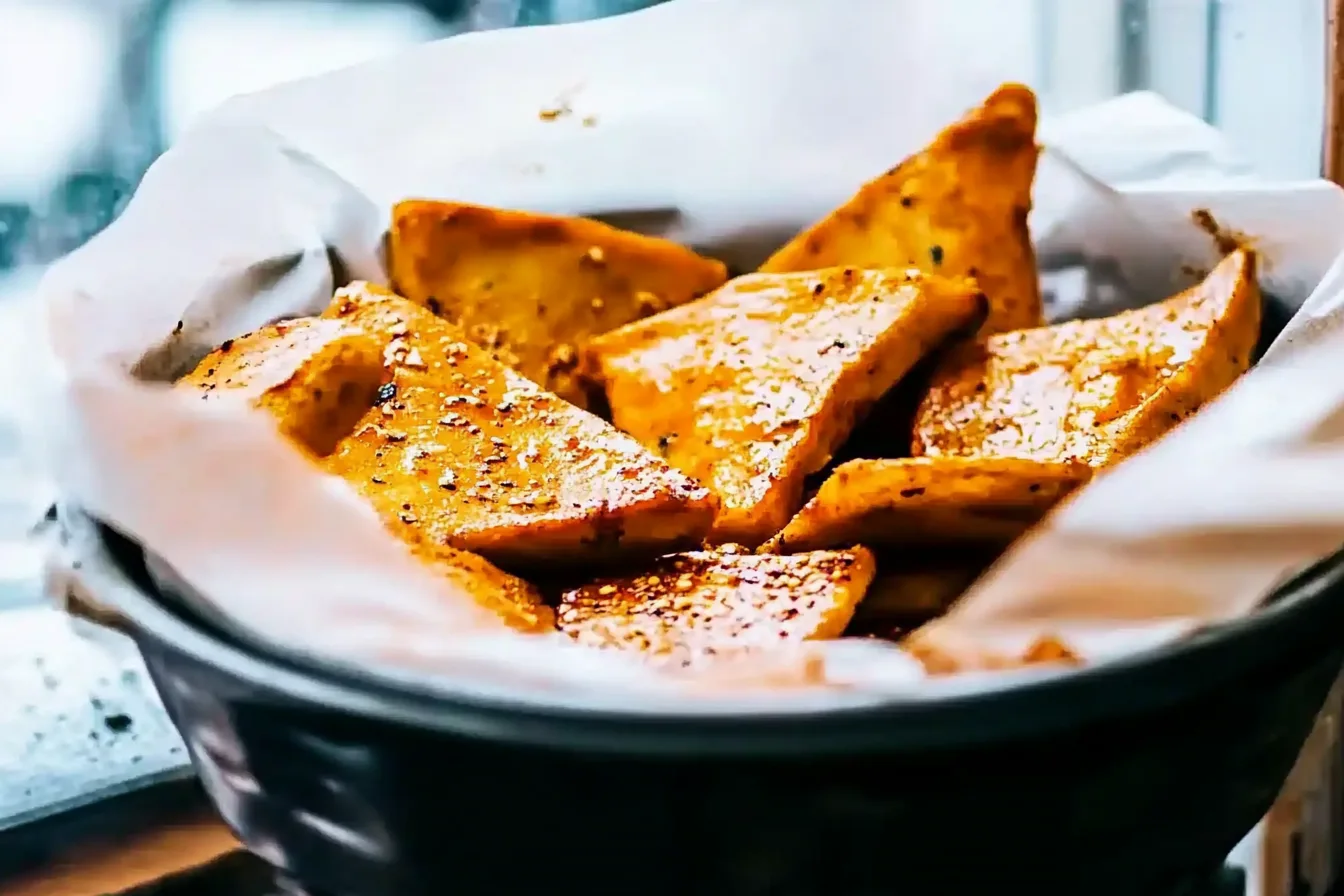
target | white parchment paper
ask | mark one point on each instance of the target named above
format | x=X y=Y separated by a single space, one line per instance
x=727 y=125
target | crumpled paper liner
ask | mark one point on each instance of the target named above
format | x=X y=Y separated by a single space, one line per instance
x=710 y=122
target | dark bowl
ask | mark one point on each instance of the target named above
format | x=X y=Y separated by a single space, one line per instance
x=1132 y=777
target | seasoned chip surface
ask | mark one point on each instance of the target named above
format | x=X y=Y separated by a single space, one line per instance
x=534 y=288
x=930 y=501
x=1095 y=390
x=691 y=605
x=958 y=207
x=472 y=455
x=753 y=387
x=516 y=600
x=317 y=377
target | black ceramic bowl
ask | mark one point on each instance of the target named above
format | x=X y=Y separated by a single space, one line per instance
x=1127 y=778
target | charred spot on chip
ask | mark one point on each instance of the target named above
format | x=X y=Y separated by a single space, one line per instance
x=936 y=254
x=606 y=537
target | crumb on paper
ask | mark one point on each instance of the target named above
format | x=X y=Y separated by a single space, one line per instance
x=563 y=107
x=957 y=655
x=1050 y=649
x=1227 y=241
x=552 y=113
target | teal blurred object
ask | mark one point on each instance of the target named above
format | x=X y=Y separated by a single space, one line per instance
x=545 y=12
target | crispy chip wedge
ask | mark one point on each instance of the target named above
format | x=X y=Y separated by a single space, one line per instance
x=316 y=377
x=904 y=599
x=752 y=388
x=1095 y=390
x=516 y=601
x=319 y=378
x=958 y=207
x=929 y=501
x=472 y=455
x=534 y=288
x=688 y=606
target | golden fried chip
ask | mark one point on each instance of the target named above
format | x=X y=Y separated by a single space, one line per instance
x=517 y=601
x=316 y=377
x=958 y=207
x=691 y=605
x=1095 y=390
x=534 y=288
x=909 y=597
x=753 y=387
x=319 y=378
x=929 y=501
x=472 y=455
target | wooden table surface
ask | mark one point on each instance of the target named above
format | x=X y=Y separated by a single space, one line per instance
x=113 y=867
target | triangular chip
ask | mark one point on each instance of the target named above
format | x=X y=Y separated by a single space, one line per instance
x=319 y=378
x=901 y=601
x=929 y=501
x=958 y=207
x=688 y=606
x=753 y=387
x=517 y=601
x=534 y=288
x=473 y=455
x=316 y=377
x=1095 y=390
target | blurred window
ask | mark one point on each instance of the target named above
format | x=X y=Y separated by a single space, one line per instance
x=1254 y=68
x=215 y=49
x=56 y=63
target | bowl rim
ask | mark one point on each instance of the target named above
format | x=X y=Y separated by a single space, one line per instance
x=1303 y=623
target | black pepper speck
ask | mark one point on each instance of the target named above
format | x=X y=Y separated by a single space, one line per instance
x=118 y=722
